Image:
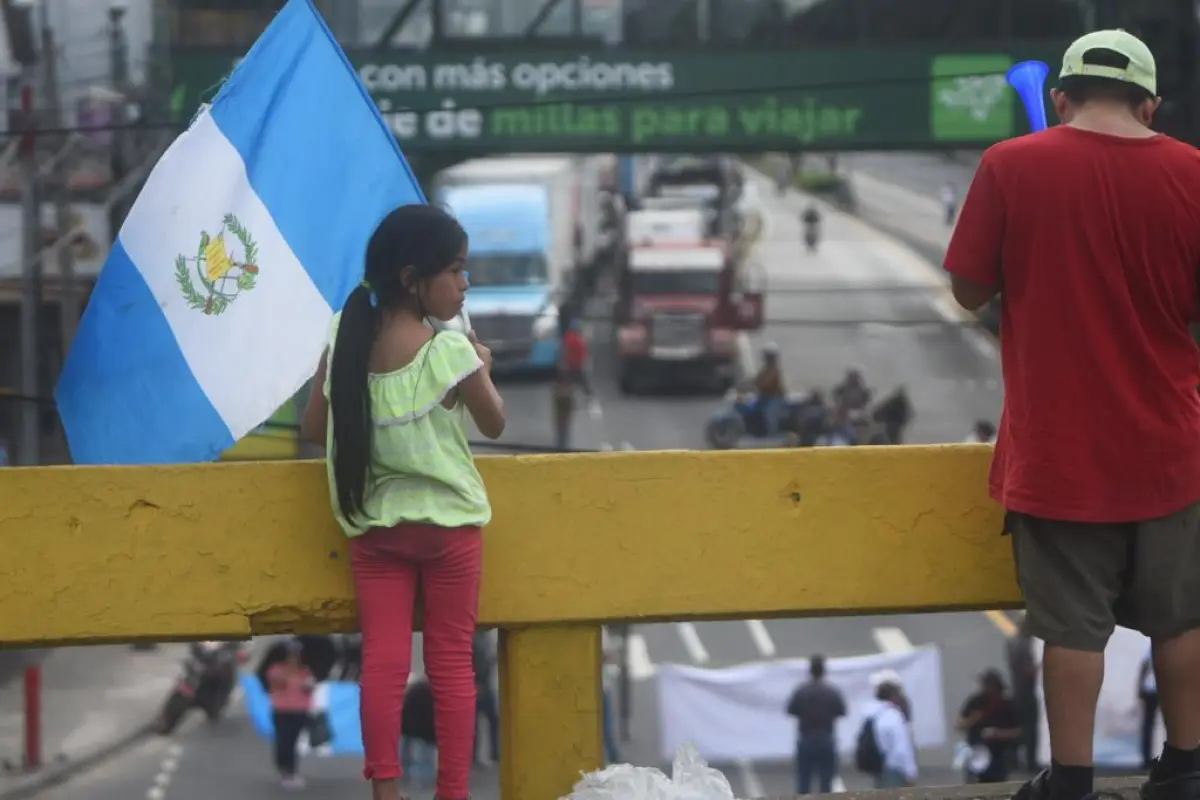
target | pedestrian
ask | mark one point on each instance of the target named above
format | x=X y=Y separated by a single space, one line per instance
x=393 y=392
x=988 y=720
x=1023 y=673
x=1148 y=694
x=418 y=733
x=893 y=737
x=608 y=672
x=1092 y=230
x=486 y=705
x=291 y=685
x=817 y=705
x=949 y=203
x=571 y=371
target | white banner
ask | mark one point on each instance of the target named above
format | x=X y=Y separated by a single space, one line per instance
x=740 y=712
x=1119 y=712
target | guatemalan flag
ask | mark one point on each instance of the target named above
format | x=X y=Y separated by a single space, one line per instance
x=215 y=302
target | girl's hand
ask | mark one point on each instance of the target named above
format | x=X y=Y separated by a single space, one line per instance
x=485 y=355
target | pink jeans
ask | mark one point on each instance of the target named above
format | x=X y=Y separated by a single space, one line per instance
x=389 y=564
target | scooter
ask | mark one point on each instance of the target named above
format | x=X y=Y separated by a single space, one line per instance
x=206 y=681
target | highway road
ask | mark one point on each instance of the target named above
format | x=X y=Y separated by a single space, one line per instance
x=863 y=300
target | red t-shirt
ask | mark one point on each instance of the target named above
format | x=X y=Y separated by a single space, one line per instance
x=574 y=350
x=1095 y=240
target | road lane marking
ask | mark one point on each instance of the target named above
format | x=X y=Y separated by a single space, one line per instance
x=751 y=784
x=762 y=638
x=892 y=640
x=691 y=641
x=640 y=666
x=1003 y=622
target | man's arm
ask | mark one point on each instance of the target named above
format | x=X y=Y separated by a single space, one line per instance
x=973 y=255
x=794 y=704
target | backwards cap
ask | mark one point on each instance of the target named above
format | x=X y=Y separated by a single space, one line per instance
x=1140 y=71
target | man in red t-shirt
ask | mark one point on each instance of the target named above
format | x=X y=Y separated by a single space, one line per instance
x=572 y=370
x=1092 y=232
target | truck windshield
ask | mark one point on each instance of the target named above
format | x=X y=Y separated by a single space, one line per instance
x=676 y=282
x=507 y=269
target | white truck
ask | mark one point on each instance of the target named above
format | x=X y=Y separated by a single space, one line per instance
x=679 y=225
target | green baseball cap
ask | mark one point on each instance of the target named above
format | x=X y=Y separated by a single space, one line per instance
x=1140 y=71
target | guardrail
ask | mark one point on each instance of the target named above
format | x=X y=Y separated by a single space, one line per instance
x=233 y=550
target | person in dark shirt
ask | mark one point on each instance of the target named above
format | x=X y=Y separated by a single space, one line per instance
x=817 y=706
x=989 y=721
x=1023 y=672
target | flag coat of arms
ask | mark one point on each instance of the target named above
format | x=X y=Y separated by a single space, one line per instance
x=215 y=302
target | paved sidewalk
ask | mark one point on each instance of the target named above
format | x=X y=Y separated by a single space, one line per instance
x=95 y=702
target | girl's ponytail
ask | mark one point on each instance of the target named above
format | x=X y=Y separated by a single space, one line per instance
x=350 y=400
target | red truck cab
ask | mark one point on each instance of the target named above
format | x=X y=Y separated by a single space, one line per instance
x=680 y=312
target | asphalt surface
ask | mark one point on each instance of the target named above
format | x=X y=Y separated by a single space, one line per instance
x=863 y=300
x=925 y=173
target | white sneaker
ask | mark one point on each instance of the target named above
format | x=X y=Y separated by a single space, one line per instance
x=293 y=783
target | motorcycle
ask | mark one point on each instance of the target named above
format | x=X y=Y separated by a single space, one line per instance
x=206 y=681
x=742 y=416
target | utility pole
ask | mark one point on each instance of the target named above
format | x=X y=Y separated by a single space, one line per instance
x=29 y=449
x=119 y=57
x=63 y=249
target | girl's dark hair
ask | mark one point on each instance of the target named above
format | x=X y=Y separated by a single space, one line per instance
x=425 y=238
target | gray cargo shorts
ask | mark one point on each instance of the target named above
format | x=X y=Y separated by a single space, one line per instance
x=1080 y=580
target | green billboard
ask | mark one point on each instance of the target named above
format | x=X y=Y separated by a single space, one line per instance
x=632 y=101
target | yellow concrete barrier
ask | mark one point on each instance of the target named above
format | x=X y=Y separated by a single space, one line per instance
x=231 y=550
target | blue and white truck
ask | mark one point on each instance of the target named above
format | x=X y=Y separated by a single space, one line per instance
x=533 y=223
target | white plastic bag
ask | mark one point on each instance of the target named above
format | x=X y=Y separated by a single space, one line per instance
x=691 y=779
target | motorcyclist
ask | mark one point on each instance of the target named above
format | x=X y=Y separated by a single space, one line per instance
x=813 y=419
x=771 y=395
x=852 y=393
x=810 y=220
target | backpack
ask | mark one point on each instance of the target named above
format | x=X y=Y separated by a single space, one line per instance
x=868 y=758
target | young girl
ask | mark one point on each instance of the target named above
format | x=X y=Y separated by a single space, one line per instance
x=291 y=685
x=388 y=403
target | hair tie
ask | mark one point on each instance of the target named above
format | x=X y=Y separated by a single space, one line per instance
x=372 y=298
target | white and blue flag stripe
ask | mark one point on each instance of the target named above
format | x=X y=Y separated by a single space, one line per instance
x=214 y=305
